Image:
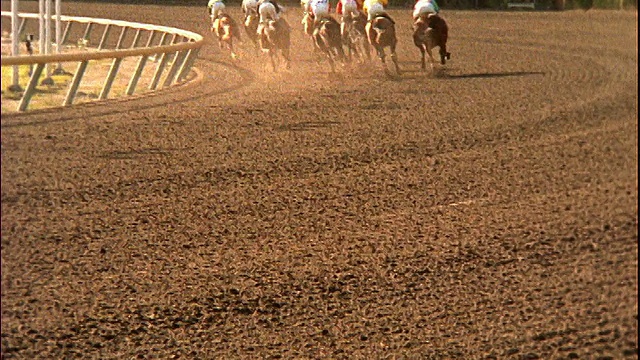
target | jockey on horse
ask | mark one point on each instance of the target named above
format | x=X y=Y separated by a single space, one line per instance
x=248 y=7
x=317 y=9
x=215 y=7
x=374 y=8
x=423 y=8
x=349 y=9
x=268 y=10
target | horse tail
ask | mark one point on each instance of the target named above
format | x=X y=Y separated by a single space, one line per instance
x=380 y=31
x=226 y=24
x=228 y=32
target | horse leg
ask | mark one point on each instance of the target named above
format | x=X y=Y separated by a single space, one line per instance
x=423 y=60
x=326 y=51
x=287 y=58
x=354 y=52
x=444 y=55
x=341 y=54
x=351 y=51
x=432 y=60
x=383 y=56
x=394 y=58
x=429 y=45
x=272 y=57
x=331 y=62
x=234 y=56
x=367 y=49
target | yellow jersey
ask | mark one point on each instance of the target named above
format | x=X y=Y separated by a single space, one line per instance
x=367 y=4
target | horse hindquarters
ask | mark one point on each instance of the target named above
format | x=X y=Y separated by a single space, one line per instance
x=430 y=40
x=419 y=40
x=226 y=29
x=251 y=28
x=381 y=33
x=357 y=37
x=440 y=35
x=334 y=39
x=275 y=37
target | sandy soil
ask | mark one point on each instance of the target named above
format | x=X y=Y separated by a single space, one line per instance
x=489 y=212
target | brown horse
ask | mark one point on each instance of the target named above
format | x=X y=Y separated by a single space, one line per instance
x=354 y=37
x=430 y=31
x=226 y=29
x=327 y=39
x=250 y=24
x=308 y=27
x=381 y=32
x=275 y=36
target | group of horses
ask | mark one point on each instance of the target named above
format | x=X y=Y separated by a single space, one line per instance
x=330 y=37
x=273 y=37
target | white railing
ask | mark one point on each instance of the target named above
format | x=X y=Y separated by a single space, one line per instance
x=174 y=51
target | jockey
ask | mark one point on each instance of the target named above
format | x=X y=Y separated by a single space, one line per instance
x=268 y=10
x=216 y=7
x=349 y=8
x=319 y=9
x=373 y=8
x=425 y=7
x=249 y=6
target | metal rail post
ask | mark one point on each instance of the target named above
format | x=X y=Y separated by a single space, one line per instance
x=75 y=83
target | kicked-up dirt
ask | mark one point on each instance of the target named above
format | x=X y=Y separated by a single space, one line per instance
x=487 y=211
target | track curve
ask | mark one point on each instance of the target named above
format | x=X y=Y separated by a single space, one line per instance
x=487 y=212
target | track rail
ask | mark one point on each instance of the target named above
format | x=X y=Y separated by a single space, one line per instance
x=176 y=50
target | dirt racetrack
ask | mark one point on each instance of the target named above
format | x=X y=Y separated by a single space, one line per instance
x=489 y=212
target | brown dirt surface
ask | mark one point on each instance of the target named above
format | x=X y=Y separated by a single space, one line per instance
x=488 y=212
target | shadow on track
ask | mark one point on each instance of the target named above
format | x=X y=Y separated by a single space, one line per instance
x=115 y=106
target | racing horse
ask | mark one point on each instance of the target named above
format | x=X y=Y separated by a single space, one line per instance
x=354 y=37
x=251 y=21
x=327 y=39
x=430 y=31
x=308 y=27
x=226 y=30
x=275 y=38
x=381 y=33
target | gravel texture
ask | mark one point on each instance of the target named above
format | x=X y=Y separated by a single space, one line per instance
x=487 y=211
